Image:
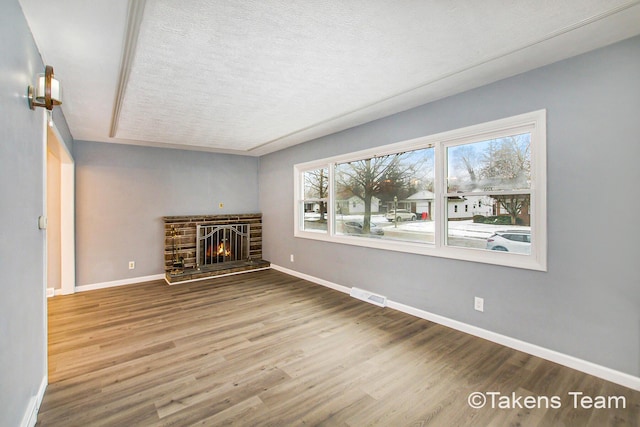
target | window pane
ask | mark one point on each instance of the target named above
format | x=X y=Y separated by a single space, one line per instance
x=496 y=164
x=314 y=205
x=316 y=184
x=314 y=216
x=389 y=197
x=499 y=223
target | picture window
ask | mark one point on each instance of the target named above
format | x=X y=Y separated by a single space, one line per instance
x=406 y=196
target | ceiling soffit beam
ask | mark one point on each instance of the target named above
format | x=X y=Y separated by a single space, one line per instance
x=134 y=19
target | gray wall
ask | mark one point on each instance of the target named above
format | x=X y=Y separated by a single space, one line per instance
x=588 y=303
x=122 y=193
x=22 y=262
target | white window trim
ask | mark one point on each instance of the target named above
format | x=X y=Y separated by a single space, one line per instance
x=533 y=122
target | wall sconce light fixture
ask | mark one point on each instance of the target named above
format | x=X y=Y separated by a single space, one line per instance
x=47 y=91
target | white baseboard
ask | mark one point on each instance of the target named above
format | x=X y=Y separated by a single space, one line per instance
x=587 y=367
x=313 y=279
x=52 y=292
x=122 y=282
x=31 y=414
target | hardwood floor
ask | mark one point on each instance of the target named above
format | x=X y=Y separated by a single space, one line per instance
x=266 y=348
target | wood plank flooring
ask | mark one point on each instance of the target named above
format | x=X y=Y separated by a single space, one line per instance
x=268 y=349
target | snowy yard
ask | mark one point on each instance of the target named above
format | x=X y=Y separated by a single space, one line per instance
x=461 y=233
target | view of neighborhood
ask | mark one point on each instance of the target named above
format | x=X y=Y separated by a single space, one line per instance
x=392 y=196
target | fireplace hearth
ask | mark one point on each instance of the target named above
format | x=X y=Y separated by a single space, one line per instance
x=198 y=247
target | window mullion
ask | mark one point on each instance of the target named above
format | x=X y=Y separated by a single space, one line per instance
x=331 y=204
x=440 y=198
x=490 y=193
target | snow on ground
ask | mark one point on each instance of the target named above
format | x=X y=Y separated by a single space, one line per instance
x=466 y=228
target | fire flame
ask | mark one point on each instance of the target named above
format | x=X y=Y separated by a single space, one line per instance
x=222 y=250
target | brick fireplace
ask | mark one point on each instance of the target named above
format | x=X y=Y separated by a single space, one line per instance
x=198 y=247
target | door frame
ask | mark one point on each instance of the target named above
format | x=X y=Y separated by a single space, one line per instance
x=54 y=143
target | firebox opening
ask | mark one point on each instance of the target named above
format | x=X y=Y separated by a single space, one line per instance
x=222 y=243
x=222 y=250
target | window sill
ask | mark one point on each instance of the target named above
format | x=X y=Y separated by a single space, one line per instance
x=529 y=262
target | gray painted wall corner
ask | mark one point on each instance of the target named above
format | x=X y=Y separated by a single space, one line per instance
x=124 y=191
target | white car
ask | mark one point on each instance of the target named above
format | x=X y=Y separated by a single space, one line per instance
x=517 y=241
x=400 y=215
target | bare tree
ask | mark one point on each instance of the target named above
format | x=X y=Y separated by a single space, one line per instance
x=370 y=177
x=509 y=159
x=507 y=165
x=514 y=204
x=316 y=185
x=468 y=159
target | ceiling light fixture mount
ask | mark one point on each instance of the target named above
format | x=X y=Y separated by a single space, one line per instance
x=47 y=92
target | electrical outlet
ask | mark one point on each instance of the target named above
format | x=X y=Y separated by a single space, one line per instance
x=478 y=304
x=291 y=257
x=132 y=265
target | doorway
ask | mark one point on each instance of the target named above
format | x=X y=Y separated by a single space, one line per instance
x=60 y=212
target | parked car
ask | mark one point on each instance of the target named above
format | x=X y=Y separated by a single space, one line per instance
x=356 y=227
x=400 y=215
x=517 y=241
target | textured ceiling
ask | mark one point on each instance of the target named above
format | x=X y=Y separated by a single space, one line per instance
x=251 y=77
